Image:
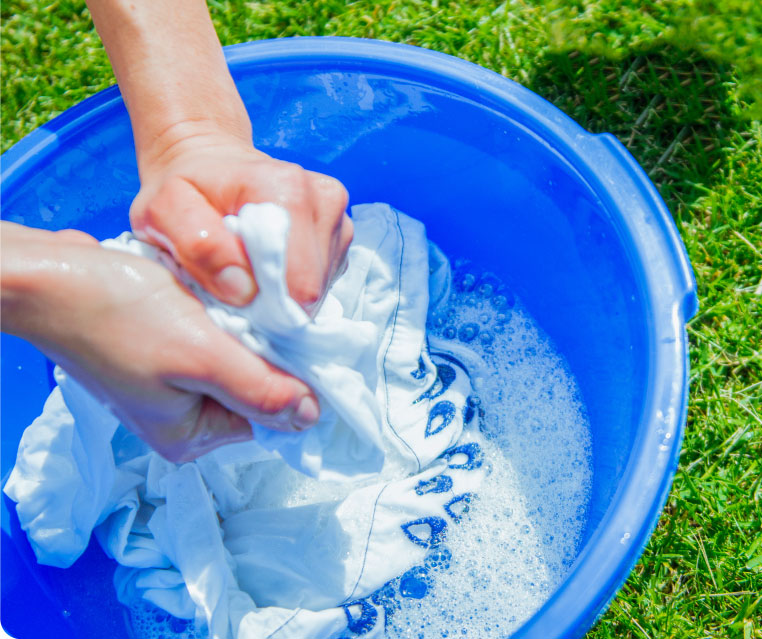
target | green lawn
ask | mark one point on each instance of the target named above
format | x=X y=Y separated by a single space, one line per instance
x=680 y=89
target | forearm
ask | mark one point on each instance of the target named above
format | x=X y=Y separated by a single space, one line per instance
x=172 y=73
x=28 y=278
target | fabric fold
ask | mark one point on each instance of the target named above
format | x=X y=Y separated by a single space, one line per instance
x=288 y=536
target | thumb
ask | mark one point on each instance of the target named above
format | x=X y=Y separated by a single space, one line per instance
x=181 y=220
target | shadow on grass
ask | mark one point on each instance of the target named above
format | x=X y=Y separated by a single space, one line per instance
x=669 y=107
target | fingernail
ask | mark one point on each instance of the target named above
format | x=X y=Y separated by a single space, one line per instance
x=235 y=284
x=306 y=414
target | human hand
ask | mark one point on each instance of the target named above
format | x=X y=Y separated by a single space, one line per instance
x=193 y=141
x=192 y=179
x=131 y=334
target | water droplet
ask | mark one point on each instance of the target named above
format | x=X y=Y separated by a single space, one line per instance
x=449 y=332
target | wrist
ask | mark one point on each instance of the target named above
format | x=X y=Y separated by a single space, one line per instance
x=171 y=72
x=187 y=135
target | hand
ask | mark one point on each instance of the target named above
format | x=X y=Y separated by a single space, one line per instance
x=197 y=178
x=131 y=334
x=193 y=142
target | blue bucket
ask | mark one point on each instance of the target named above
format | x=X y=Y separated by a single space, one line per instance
x=496 y=173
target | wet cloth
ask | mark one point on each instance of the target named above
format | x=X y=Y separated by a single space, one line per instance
x=292 y=535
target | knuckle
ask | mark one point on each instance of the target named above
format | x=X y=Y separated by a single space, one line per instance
x=288 y=173
x=160 y=209
x=332 y=193
x=277 y=394
x=347 y=234
x=145 y=215
x=283 y=183
x=74 y=235
x=196 y=248
x=137 y=214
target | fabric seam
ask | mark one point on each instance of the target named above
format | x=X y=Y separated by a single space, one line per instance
x=367 y=544
x=391 y=338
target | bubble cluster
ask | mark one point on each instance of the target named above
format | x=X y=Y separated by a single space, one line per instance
x=148 y=621
x=521 y=532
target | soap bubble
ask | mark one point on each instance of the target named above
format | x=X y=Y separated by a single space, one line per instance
x=521 y=535
x=486 y=338
x=414 y=584
x=504 y=300
x=466 y=282
x=488 y=284
x=468 y=332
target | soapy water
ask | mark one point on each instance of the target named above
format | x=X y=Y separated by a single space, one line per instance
x=522 y=531
x=518 y=537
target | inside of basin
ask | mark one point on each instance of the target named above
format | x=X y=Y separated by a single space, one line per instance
x=486 y=185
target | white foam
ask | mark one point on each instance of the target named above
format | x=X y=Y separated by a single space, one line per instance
x=522 y=532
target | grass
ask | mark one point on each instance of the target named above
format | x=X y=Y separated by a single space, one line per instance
x=679 y=82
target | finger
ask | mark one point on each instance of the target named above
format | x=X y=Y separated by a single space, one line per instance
x=305 y=268
x=74 y=236
x=180 y=219
x=287 y=185
x=250 y=386
x=314 y=245
x=344 y=241
x=334 y=227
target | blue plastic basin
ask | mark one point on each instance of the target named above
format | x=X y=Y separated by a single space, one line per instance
x=497 y=174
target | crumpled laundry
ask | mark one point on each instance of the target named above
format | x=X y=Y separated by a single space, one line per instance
x=292 y=535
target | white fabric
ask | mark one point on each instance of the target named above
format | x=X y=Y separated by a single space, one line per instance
x=238 y=539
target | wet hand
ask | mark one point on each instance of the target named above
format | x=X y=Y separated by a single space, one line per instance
x=131 y=334
x=195 y=179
